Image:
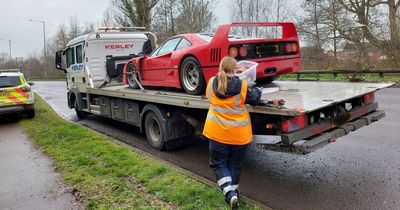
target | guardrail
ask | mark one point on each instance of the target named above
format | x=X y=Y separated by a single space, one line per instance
x=48 y=78
x=336 y=72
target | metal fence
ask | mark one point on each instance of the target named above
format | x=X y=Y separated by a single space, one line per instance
x=335 y=73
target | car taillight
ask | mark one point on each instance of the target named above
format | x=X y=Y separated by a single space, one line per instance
x=294 y=124
x=369 y=98
x=243 y=51
x=291 y=48
x=233 y=52
x=26 y=88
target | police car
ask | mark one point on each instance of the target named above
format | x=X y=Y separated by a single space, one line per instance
x=16 y=95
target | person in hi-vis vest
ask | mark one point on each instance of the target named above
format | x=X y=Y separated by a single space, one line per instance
x=228 y=126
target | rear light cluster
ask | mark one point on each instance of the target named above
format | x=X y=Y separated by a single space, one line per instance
x=262 y=50
x=369 y=98
x=291 y=48
x=26 y=88
x=235 y=51
x=294 y=124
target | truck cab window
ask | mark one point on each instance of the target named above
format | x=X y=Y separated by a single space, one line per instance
x=70 y=57
x=78 y=54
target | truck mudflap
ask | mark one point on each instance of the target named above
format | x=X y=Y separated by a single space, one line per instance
x=320 y=140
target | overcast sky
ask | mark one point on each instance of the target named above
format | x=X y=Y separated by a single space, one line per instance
x=27 y=37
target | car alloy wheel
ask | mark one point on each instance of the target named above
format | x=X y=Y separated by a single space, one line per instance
x=131 y=71
x=192 y=79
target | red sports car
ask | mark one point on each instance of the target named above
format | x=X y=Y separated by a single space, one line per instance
x=188 y=61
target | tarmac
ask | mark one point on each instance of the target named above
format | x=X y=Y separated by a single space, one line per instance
x=27 y=177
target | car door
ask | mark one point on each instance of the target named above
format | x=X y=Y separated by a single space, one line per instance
x=157 y=66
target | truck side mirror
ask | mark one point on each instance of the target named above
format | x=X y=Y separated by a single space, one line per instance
x=59 y=61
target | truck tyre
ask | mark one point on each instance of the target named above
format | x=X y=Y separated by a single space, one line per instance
x=131 y=69
x=191 y=76
x=30 y=113
x=156 y=130
x=80 y=114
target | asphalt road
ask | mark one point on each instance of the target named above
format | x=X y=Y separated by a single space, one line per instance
x=359 y=171
x=27 y=177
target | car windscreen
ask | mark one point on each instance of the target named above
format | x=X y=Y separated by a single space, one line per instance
x=9 y=81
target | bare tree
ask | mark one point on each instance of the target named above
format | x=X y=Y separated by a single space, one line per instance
x=259 y=11
x=362 y=12
x=173 y=17
x=334 y=14
x=164 y=19
x=195 y=16
x=131 y=12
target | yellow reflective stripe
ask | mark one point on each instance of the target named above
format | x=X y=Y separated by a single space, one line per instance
x=237 y=101
x=228 y=111
x=224 y=180
x=22 y=80
x=227 y=122
x=227 y=189
x=20 y=97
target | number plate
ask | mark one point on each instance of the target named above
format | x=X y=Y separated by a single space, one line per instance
x=267 y=49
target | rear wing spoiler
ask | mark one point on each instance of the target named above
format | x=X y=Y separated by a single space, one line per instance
x=221 y=36
x=222 y=32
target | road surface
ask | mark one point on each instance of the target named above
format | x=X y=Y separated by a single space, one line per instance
x=359 y=171
x=27 y=177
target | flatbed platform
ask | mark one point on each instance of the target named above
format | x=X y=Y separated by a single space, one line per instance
x=300 y=96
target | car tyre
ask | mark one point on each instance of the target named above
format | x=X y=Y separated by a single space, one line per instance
x=131 y=69
x=30 y=113
x=266 y=80
x=156 y=130
x=191 y=76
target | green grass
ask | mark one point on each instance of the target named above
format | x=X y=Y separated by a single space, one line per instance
x=111 y=176
x=341 y=77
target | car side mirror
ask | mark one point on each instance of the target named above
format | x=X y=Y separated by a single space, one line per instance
x=31 y=83
x=58 y=61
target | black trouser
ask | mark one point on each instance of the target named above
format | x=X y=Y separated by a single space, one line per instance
x=226 y=162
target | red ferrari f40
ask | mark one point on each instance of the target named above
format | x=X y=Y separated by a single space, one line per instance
x=188 y=61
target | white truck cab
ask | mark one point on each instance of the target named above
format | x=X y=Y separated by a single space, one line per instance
x=97 y=59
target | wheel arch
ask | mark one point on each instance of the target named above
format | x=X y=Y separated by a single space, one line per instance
x=183 y=58
x=73 y=96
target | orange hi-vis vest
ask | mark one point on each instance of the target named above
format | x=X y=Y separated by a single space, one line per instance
x=228 y=120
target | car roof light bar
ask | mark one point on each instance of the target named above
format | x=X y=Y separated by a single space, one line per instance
x=9 y=70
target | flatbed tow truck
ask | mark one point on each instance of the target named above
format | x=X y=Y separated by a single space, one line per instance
x=322 y=103
x=315 y=113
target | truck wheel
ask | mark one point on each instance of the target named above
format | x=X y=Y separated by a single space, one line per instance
x=155 y=130
x=80 y=114
x=30 y=114
x=131 y=69
x=191 y=76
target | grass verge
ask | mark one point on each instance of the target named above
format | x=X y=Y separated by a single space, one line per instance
x=110 y=176
x=342 y=77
